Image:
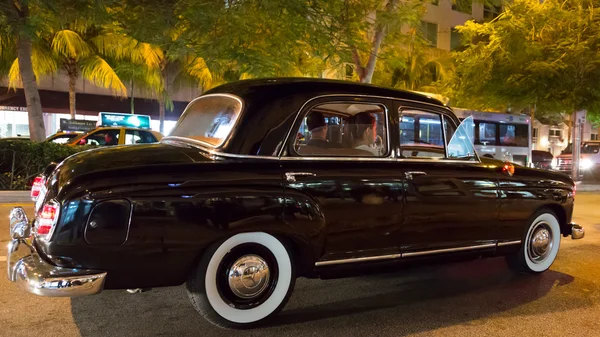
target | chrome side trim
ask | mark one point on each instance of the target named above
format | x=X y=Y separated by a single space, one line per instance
x=509 y=243
x=448 y=250
x=358 y=259
x=402 y=255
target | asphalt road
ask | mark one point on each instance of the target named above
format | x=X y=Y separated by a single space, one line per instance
x=479 y=298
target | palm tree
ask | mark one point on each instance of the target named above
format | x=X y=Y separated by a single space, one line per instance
x=86 y=50
x=16 y=38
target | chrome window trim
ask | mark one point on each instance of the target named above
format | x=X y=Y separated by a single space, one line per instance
x=403 y=255
x=285 y=141
x=390 y=153
x=233 y=128
x=442 y=118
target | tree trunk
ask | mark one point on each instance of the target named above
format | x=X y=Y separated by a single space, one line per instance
x=370 y=67
x=72 y=82
x=365 y=73
x=37 y=129
x=132 y=106
x=161 y=114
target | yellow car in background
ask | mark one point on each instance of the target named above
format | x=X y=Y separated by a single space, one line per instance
x=107 y=136
x=119 y=129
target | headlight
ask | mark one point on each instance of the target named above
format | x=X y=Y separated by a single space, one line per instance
x=586 y=164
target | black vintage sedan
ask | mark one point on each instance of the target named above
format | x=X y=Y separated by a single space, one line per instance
x=264 y=181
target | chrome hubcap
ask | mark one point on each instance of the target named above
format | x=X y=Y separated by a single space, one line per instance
x=540 y=244
x=249 y=276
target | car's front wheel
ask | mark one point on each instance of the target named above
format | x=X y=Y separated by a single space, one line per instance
x=540 y=246
x=243 y=280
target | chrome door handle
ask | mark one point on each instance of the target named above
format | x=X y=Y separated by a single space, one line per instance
x=291 y=176
x=411 y=174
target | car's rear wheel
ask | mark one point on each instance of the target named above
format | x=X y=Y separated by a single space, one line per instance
x=540 y=245
x=242 y=281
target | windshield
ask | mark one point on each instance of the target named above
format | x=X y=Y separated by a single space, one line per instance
x=461 y=144
x=209 y=119
x=590 y=148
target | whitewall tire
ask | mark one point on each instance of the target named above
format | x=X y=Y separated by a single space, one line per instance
x=243 y=280
x=540 y=244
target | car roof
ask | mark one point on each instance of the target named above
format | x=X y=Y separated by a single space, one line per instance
x=317 y=86
x=271 y=105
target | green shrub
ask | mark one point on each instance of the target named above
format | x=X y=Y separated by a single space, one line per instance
x=21 y=161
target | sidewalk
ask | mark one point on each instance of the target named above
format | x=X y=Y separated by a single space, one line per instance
x=23 y=197
x=587 y=187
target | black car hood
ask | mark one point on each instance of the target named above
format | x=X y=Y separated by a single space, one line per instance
x=127 y=157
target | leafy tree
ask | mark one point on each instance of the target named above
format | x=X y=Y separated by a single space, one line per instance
x=414 y=65
x=178 y=63
x=534 y=54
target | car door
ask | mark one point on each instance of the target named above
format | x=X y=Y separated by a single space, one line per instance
x=351 y=198
x=451 y=198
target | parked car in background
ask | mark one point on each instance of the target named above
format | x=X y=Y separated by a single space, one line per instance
x=542 y=159
x=119 y=129
x=236 y=205
x=589 y=162
x=63 y=137
x=60 y=137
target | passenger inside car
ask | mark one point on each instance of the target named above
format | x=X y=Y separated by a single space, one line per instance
x=318 y=131
x=364 y=132
x=343 y=129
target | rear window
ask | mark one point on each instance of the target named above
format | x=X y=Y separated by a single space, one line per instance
x=209 y=119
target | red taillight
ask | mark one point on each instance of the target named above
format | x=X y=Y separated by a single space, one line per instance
x=38 y=183
x=47 y=219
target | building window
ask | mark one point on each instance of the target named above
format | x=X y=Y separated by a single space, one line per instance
x=594 y=136
x=455 y=39
x=464 y=6
x=535 y=132
x=555 y=133
x=490 y=12
x=429 y=32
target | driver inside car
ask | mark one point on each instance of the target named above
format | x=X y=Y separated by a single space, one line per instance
x=318 y=131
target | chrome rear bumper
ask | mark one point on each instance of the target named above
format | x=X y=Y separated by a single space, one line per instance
x=577 y=232
x=31 y=272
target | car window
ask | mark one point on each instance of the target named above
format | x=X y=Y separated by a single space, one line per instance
x=139 y=137
x=421 y=135
x=101 y=138
x=343 y=129
x=487 y=133
x=514 y=134
x=460 y=145
x=63 y=139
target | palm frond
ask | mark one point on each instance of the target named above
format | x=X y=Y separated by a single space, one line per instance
x=96 y=70
x=42 y=63
x=68 y=43
x=14 y=76
x=121 y=47
x=196 y=67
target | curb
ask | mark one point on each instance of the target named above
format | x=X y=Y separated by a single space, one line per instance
x=588 y=187
x=15 y=197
